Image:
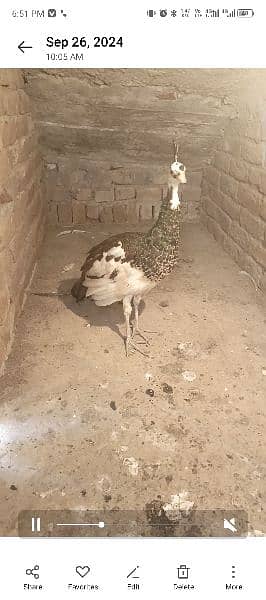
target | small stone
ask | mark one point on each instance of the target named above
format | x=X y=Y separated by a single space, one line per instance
x=168 y=479
x=83 y=492
x=164 y=303
x=13 y=487
x=189 y=375
x=150 y=392
x=148 y=376
x=113 y=405
x=263 y=370
x=107 y=497
x=167 y=388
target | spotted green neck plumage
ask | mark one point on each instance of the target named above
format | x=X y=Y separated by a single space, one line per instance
x=165 y=232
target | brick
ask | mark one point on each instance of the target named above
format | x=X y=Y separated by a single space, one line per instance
x=230 y=206
x=222 y=161
x=164 y=192
x=79 y=212
x=4 y=301
x=156 y=210
x=203 y=203
x=13 y=128
x=23 y=149
x=258 y=251
x=5 y=197
x=4 y=165
x=249 y=197
x=232 y=248
x=106 y=214
x=240 y=235
x=52 y=167
x=145 y=211
x=236 y=128
x=262 y=282
x=57 y=194
x=206 y=187
x=255 y=175
x=104 y=196
x=253 y=129
x=6 y=224
x=218 y=215
x=252 y=224
x=252 y=152
x=248 y=264
x=125 y=192
x=191 y=195
x=238 y=169
x=149 y=194
x=132 y=212
x=228 y=185
x=263 y=209
x=262 y=184
x=5 y=343
x=85 y=195
x=190 y=211
x=212 y=175
x=92 y=212
x=120 y=213
x=232 y=145
x=216 y=230
x=65 y=213
x=52 y=214
x=11 y=78
x=194 y=178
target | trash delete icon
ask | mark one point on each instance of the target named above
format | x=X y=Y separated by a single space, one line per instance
x=182 y=572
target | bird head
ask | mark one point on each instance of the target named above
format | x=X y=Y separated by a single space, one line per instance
x=177 y=169
x=178 y=172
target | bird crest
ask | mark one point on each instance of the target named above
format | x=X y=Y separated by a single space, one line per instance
x=175 y=150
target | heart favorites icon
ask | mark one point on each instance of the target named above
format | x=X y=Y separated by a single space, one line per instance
x=82 y=571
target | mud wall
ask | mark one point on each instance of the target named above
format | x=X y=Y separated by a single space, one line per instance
x=234 y=192
x=106 y=135
x=22 y=205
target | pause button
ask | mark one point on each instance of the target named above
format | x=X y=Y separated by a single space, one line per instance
x=35 y=524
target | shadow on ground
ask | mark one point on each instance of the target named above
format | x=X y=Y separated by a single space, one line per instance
x=96 y=316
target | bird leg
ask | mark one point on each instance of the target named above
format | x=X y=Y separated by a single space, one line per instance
x=127 y=307
x=136 y=329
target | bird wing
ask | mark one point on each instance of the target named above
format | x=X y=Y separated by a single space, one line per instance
x=109 y=273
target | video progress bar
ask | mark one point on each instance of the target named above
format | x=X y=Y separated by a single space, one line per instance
x=101 y=524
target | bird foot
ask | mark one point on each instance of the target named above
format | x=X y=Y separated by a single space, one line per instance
x=130 y=344
x=137 y=331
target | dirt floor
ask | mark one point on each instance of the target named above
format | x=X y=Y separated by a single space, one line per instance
x=84 y=426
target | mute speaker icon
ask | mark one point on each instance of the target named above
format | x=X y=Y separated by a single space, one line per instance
x=230 y=524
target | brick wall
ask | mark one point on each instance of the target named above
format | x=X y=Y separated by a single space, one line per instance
x=22 y=208
x=234 y=192
x=106 y=136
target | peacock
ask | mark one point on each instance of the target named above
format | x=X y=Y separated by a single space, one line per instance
x=125 y=267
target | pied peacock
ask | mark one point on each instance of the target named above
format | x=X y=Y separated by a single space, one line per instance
x=126 y=266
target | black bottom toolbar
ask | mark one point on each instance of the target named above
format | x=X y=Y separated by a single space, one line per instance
x=154 y=522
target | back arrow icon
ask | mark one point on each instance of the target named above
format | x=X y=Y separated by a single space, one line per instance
x=22 y=47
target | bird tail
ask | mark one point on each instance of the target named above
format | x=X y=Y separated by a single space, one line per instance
x=78 y=291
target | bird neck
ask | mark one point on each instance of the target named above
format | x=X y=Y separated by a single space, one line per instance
x=166 y=229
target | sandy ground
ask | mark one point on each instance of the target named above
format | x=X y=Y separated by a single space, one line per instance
x=84 y=426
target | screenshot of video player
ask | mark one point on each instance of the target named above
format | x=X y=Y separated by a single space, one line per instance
x=132 y=300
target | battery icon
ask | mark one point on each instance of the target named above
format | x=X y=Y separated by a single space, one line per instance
x=245 y=12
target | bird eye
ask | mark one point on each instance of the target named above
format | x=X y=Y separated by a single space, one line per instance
x=181 y=167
